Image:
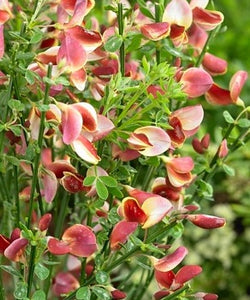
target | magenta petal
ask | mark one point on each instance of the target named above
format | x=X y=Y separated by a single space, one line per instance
x=85 y=149
x=71 y=55
x=81 y=240
x=218 y=96
x=196 y=82
x=88 y=114
x=156 y=209
x=178 y=12
x=156 y=31
x=169 y=262
x=64 y=283
x=71 y=124
x=49 y=182
x=1 y=41
x=121 y=233
x=165 y=279
x=15 y=250
x=236 y=84
x=4 y=243
x=78 y=79
x=104 y=127
x=206 y=221
x=214 y=65
x=186 y=273
x=57 y=247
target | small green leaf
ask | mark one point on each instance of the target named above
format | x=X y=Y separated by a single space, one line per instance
x=229 y=119
x=116 y=192
x=83 y=293
x=144 y=10
x=16 y=105
x=41 y=271
x=29 y=76
x=113 y=216
x=89 y=180
x=108 y=181
x=228 y=170
x=101 y=293
x=102 y=277
x=63 y=81
x=244 y=123
x=11 y=270
x=16 y=130
x=113 y=43
x=146 y=65
x=39 y=295
x=21 y=290
x=13 y=160
x=37 y=36
x=205 y=189
x=101 y=190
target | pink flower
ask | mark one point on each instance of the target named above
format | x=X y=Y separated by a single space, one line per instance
x=63 y=283
x=223 y=149
x=206 y=221
x=170 y=261
x=185 y=122
x=78 y=240
x=179 y=170
x=214 y=65
x=196 y=82
x=219 y=96
x=155 y=31
x=149 y=140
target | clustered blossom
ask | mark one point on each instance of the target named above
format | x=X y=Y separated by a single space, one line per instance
x=79 y=129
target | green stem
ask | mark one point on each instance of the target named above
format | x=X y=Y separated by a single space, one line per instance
x=176 y=293
x=17 y=200
x=31 y=269
x=62 y=215
x=2 y=297
x=38 y=154
x=83 y=273
x=150 y=173
x=157 y=44
x=144 y=286
x=200 y=58
x=121 y=30
x=4 y=113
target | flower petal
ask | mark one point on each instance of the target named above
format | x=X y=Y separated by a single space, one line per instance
x=81 y=240
x=78 y=79
x=206 y=221
x=218 y=96
x=57 y=247
x=236 y=84
x=214 y=65
x=15 y=250
x=71 y=123
x=156 y=31
x=207 y=19
x=121 y=232
x=178 y=12
x=156 y=209
x=186 y=273
x=164 y=279
x=88 y=114
x=170 y=261
x=132 y=211
x=196 y=82
x=85 y=150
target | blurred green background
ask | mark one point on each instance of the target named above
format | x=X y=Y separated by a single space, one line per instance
x=224 y=253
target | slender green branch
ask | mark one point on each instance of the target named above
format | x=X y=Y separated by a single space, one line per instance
x=121 y=31
x=31 y=269
x=16 y=195
x=38 y=154
x=62 y=214
x=83 y=273
x=209 y=38
x=157 y=44
x=176 y=293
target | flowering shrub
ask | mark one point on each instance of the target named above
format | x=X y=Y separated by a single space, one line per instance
x=102 y=159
